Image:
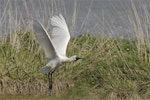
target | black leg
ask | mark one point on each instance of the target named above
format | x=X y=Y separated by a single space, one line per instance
x=50 y=81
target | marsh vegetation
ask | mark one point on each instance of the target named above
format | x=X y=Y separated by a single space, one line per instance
x=112 y=68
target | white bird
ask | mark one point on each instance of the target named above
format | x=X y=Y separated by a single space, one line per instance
x=55 y=48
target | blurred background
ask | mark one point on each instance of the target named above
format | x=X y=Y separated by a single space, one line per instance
x=96 y=17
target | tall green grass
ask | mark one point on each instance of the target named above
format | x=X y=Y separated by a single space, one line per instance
x=112 y=68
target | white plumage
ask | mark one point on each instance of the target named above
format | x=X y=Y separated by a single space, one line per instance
x=55 y=48
x=60 y=34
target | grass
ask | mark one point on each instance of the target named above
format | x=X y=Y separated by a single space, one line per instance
x=111 y=68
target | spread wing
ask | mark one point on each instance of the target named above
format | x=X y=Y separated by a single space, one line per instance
x=44 y=39
x=60 y=34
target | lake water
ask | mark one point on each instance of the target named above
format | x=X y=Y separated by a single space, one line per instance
x=98 y=17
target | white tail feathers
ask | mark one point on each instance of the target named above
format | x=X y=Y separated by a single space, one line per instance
x=45 y=69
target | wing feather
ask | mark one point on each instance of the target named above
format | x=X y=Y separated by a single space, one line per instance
x=44 y=39
x=60 y=34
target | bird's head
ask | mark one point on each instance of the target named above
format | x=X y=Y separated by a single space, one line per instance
x=75 y=58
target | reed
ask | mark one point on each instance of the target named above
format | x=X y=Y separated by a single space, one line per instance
x=112 y=68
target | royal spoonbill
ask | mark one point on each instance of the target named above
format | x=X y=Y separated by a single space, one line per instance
x=55 y=47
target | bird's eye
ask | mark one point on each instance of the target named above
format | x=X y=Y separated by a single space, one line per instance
x=77 y=58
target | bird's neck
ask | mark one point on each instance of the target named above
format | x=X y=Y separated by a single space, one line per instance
x=66 y=59
x=70 y=59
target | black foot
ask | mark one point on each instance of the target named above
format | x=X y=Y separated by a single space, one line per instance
x=50 y=82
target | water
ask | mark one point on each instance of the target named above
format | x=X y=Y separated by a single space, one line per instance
x=97 y=17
